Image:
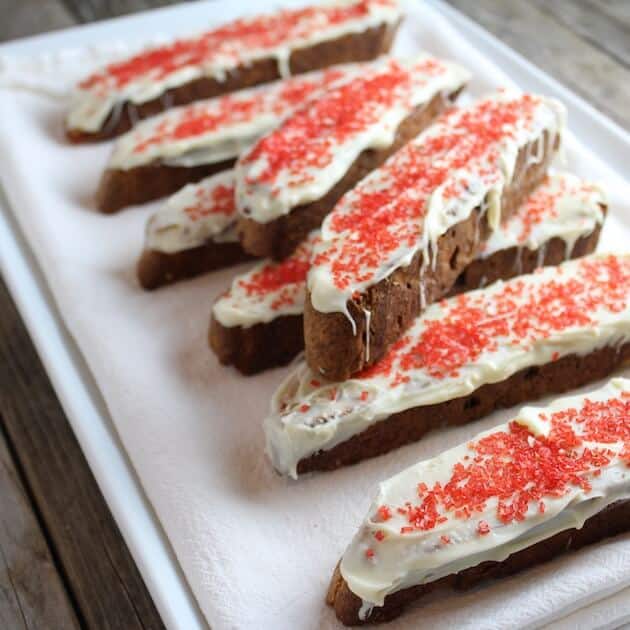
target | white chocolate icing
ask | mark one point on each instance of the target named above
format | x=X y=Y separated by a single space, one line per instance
x=195 y=215
x=269 y=290
x=216 y=53
x=563 y=206
x=312 y=150
x=219 y=129
x=396 y=549
x=461 y=162
x=455 y=347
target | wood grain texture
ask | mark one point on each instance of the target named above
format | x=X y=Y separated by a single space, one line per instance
x=98 y=569
x=31 y=592
x=563 y=53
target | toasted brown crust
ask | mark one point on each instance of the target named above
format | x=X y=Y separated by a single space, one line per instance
x=504 y=264
x=259 y=347
x=335 y=351
x=120 y=188
x=156 y=269
x=611 y=521
x=408 y=426
x=352 y=47
x=279 y=238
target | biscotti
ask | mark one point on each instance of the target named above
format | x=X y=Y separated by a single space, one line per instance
x=291 y=178
x=257 y=324
x=162 y=154
x=239 y=54
x=553 y=479
x=400 y=239
x=194 y=232
x=464 y=357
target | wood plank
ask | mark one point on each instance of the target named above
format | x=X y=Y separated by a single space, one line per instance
x=593 y=74
x=98 y=569
x=590 y=19
x=31 y=592
x=29 y=17
x=92 y=10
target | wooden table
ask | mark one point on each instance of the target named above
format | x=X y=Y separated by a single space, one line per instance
x=63 y=563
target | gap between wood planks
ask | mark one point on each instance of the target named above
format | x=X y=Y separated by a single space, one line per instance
x=32 y=593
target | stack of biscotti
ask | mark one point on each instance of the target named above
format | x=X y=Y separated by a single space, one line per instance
x=406 y=97
x=236 y=55
x=289 y=180
x=552 y=479
x=398 y=241
x=182 y=145
x=547 y=332
x=258 y=324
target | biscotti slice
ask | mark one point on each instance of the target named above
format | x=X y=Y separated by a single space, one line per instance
x=194 y=232
x=258 y=323
x=542 y=333
x=400 y=239
x=292 y=177
x=553 y=479
x=561 y=219
x=236 y=55
x=164 y=153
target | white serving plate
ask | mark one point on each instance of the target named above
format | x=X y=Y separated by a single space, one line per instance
x=80 y=397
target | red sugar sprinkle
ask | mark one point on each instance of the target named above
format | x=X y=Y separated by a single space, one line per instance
x=315 y=383
x=483 y=528
x=369 y=553
x=384 y=513
x=444 y=539
x=228 y=41
x=308 y=138
x=217 y=200
x=379 y=534
x=364 y=395
x=285 y=280
x=234 y=109
x=304 y=408
x=374 y=223
x=518 y=469
x=472 y=325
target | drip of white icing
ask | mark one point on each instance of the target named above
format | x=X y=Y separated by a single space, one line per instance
x=191 y=218
x=480 y=182
x=564 y=206
x=264 y=199
x=91 y=105
x=402 y=560
x=294 y=434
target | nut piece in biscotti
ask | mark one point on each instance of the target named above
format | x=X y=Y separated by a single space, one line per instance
x=400 y=239
x=464 y=357
x=187 y=143
x=236 y=55
x=258 y=323
x=504 y=501
x=194 y=232
x=291 y=178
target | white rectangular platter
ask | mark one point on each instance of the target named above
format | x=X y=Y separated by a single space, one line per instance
x=174 y=440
